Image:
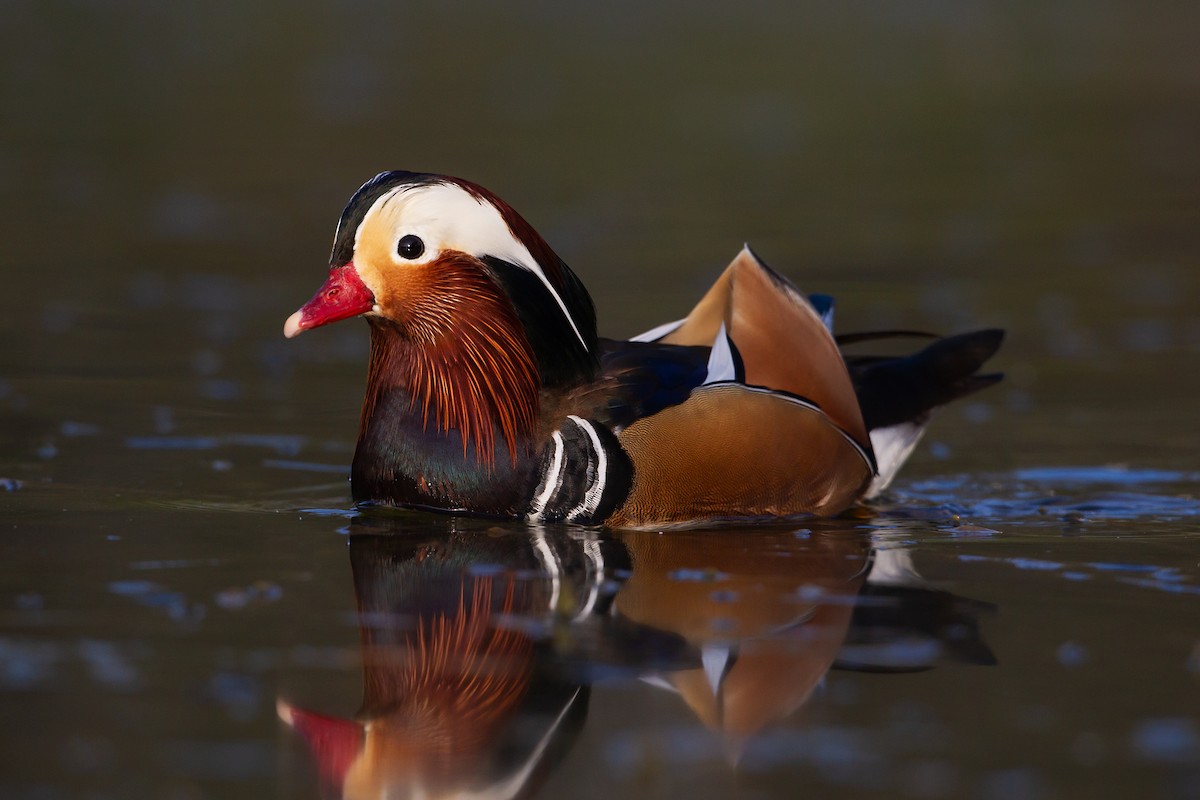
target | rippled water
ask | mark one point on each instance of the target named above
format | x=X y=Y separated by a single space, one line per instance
x=190 y=607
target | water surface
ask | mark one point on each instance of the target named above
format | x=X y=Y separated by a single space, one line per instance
x=180 y=565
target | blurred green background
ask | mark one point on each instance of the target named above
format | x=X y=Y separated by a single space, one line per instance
x=170 y=176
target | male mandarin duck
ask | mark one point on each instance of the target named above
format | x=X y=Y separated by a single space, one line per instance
x=489 y=391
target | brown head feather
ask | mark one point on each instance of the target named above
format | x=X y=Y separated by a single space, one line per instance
x=453 y=340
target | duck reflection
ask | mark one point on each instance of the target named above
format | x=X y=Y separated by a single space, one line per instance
x=479 y=645
x=478 y=648
x=770 y=613
x=767 y=613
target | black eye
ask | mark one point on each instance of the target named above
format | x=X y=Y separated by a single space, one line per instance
x=410 y=247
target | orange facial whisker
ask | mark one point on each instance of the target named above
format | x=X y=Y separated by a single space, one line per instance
x=462 y=354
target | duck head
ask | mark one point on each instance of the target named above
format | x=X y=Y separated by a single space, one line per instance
x=471 y=312
x=415 y=249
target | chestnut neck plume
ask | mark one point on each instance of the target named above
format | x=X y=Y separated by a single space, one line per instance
x=464 y=361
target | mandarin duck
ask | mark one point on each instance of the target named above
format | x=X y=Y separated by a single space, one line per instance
x=489 y=391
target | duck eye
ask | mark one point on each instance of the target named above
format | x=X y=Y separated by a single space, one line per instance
x=410 y=247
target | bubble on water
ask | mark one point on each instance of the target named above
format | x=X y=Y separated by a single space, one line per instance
x=24 y=665
x=1115 y=473
x=1193 y=660
x=486 y=569
x=133 y=588
x=283 y=445
x=206 y=362
x=221 y=465
x=232 y=599
x=109 y=665
x=1036 y=564
x=308 y=466
x=1073 y=654
x=174 y=563
x=810 y=593
x=237 y=597
x=30 y=601
x=1163 y=586
x=977 y=412
x=1166 y=739
x=73 y=429
x=914 y=652
x=1020 y=782
x=164 y=419
x=47 y=451
x=969 y=531
x=697 y=575
x=221 y=389
x=238 y=693
x=1147 y=335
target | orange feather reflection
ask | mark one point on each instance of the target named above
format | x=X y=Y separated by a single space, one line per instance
x=768 y=613
x=453 y=703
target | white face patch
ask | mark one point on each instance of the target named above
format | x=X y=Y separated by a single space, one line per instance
x=447 y=217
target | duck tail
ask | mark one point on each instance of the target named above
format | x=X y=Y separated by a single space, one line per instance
x=897 y=393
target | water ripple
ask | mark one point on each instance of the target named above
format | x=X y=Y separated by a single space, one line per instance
x=1072 y=495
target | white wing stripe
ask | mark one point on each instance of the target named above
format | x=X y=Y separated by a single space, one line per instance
x=591 y=500
x=657 y=332
x=550 y=483
x=720 y=360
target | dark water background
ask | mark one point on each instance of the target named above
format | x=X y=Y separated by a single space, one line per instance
x=177 y=552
